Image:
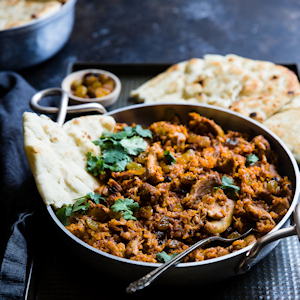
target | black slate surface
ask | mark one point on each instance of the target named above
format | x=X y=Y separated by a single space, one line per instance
x=175 y=30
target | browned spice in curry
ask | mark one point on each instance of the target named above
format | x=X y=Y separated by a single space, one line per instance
x=181 y=199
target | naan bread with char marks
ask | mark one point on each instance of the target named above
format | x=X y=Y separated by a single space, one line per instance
x=57 y=155
x=19 y=12
x=257 y=89
x=286 y=124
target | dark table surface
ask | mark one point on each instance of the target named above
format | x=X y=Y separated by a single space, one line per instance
x=175 y=30
x=168 y=32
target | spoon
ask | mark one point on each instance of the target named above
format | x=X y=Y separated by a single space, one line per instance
x=151 y=276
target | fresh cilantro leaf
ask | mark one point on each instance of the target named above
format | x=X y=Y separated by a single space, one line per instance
x=170 y=157
x=69 y=210
x=92 y=196
x=226 y=181
x=131 y=204
x=130 y=131
x=63 y=214
x=118 y=166
x=95 y=164
x=134 y=145
x=127 y=206
x=117 y=149
x=78 y=203
x=116 y=136
x=113 y=155
x=228 y=184
x=128 y=215
x=105 y=143
x=114 y=159
x=143 y=132
x=80 y=206
x=139 y=130
x=96 y=197
x=252 y=159
x=164 y=257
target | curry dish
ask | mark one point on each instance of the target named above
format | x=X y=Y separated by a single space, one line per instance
x=184 y=184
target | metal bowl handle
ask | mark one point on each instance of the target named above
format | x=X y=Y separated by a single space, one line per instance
x=247 y=261
x=63 y=107
x=297 y=219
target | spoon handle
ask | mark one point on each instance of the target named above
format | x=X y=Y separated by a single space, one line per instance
x=148 y=278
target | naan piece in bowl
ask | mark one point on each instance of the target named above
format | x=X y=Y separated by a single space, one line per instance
x=57 y=155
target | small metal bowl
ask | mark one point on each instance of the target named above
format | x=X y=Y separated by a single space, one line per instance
x=106 y=101
x=32 y=43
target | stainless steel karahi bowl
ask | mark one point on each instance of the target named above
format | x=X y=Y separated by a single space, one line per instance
x=32 y=43
x=192 y=273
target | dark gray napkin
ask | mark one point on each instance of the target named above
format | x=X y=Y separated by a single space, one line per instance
x=18 y=195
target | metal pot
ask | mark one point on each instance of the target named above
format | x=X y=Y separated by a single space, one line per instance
x=193 y=272
x=32 y=43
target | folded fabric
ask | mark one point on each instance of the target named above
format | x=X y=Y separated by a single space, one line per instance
x=19 y=197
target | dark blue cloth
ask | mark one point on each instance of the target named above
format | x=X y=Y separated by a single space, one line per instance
x=18 y=195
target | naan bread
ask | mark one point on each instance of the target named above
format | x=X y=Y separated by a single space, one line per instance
x=286 y=124
x=19 y=12
x=57 y=155
x=254 y=88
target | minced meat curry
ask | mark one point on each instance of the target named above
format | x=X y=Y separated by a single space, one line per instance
x=165 y=187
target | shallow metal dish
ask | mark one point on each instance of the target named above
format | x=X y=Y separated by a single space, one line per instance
x=193 y=273
x=32 y=43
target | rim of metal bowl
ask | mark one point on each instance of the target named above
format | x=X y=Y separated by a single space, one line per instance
x=208 y=261
x=37 y=22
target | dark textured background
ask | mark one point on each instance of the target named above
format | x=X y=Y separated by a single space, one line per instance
x=175 y=30
x=168 y=32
